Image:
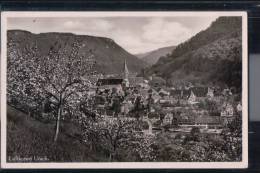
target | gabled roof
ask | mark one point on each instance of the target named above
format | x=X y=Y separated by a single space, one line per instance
x=226 y=105
x=135 y=80
x=178 y=92
x=103 y=87
x=101 y=82
x=200 y=119
x=206 y=119
x=199 y=91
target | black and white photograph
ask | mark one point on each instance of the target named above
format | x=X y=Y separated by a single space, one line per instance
x=124 y=90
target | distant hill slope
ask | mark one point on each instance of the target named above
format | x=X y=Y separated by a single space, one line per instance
x=153 y=56
x=213 y=56
x=109 y=56
x=141 y=55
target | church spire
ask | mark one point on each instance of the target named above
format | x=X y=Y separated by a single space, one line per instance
x=126 y=72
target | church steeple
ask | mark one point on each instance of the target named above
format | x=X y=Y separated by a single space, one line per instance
x=126 y=72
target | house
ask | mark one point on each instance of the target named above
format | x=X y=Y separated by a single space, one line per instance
x=115 y=80
x=192 y=98
x=239 y=107
x=137 y=82
x=199 y=93
x=207 y=121
x=186 y=119
x=201 y=121
x=180 y=93
x=227 y=110
x=227 y=92
x=210 y=92
x=110 y=83
x=168 y=118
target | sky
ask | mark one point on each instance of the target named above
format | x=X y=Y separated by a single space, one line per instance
x=135 y=34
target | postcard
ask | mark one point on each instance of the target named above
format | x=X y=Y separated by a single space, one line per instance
x=124 y=90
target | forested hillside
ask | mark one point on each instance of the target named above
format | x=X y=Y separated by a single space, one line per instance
x=153 y=56
x=108 y=55
x=213 y=56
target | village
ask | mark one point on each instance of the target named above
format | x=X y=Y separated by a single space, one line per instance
x=175 y=109
x=88 y=95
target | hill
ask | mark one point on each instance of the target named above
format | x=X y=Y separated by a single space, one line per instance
x=28 y=137
x=211 y=57
x=31 y=138
x=153 y=56
x=141 y=55
x=108 y=55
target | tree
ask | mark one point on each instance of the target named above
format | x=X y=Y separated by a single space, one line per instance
x=138 y=107
x=107 y=134
x=212 y=107
x=118 y=138
x=194 y=135
x=116 y=105
x=22 y=87
x=61 y=73
x=58 y=75
x=233 y=139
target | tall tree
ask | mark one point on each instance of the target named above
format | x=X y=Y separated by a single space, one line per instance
x=62 y=72
x=60 y=75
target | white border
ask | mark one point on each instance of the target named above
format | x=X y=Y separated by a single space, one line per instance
x=129 y=165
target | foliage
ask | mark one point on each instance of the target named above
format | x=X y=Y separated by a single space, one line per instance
x=22 y=87
x=196 y=147
x=206 y=57
x=218 y=29
x=115 y=136
x=233 y=138
x=57 y=77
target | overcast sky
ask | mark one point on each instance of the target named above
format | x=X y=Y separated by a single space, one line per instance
x=135 y=34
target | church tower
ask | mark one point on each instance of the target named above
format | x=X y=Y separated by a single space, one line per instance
x=126 y=74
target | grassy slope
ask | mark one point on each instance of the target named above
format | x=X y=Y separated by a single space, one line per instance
x=27 y=137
